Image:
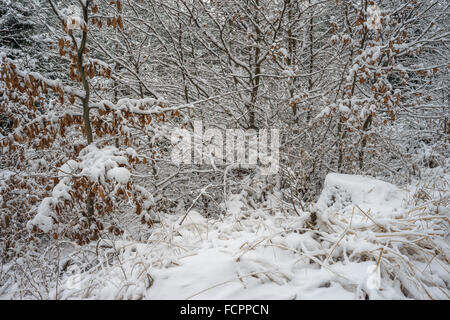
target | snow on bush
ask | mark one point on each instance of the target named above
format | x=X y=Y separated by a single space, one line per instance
x=121 y=175
x=97 y=173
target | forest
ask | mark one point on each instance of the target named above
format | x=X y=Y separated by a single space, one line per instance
x=210 y=149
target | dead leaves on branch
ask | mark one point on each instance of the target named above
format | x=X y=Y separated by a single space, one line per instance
x=43 y=131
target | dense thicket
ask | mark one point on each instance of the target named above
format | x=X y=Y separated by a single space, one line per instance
x=92 y=90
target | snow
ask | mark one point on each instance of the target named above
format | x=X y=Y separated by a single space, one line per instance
x=344 y=109
x=121 y=175
x=343 y=192
x=4 y=176
x=62 y=190
x=374 y=20
x=95 y=162
x=324 y=113
x=131 y=152
x=250 y=234
x=251 y=254
x=43 y=219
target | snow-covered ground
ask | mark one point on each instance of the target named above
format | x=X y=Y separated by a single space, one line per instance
x=364 y=238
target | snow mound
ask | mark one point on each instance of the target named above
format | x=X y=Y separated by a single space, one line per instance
x=343 y=192
x=194 y=226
